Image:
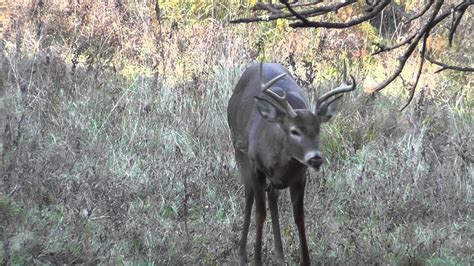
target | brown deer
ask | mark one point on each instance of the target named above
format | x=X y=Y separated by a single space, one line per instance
x=276 y=138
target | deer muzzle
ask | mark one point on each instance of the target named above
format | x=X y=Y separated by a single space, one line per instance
x=314 y=159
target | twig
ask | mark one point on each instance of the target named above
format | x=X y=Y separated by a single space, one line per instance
x=418 y=74
x=455 y=25
x=13 y=191
x=421 y=13
x=446 y=66
x=292 y=11
x=383 y=48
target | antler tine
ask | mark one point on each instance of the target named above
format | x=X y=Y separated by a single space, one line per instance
x=267 y=85
x=344 y=87
x=281 y=100
x=272 y=81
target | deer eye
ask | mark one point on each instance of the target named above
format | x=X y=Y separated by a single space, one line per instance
x=295 y=132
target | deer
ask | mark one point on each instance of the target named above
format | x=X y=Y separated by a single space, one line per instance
x=275 y=135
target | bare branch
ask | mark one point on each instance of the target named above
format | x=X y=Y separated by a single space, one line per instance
x=272 y=8
x=461 y=6
x=455 y=25
x=403 y=59
x=259 y=19
x=307 y=13
x=292 y=11
x=327 y=9
x=341 y=25
x=383 y=48
x=432 y=22
x=436 y=8
x=420 y=68
x=421 y=13
x=446 y=66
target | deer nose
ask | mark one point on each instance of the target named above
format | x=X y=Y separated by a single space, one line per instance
x=314 y=159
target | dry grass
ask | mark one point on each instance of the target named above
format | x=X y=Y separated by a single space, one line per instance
x=115 y=146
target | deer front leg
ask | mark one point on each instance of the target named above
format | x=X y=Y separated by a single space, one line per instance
x=245 y=230
x=273 y=204
x=260 y=215
x=248 y=176
x=297 y=195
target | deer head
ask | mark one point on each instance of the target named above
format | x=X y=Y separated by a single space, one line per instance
x=300 y=127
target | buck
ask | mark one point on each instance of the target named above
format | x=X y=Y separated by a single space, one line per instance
x=275 y=134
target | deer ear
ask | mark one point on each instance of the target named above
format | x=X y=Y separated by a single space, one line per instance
x=269 y=111
x=328 y=110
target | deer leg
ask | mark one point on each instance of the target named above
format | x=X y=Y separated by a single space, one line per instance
x=245 y=231
x=260 y=215
x=247 y=176
x=297 y=194
x=273 y=204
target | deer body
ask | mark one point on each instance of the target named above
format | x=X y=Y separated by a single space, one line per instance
x=276 y=138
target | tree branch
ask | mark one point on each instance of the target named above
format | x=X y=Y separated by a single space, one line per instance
x=439 y=12
x=308 y=13
x=272 y=8
x=418 y=74
x=446 y=66
x=432 y=22
x=421 y=13
x=461 y=6
x=341 y=25
x=327 y=9
x=402 y=61
x=292 y=11
x=383 y=48
x=455 y=25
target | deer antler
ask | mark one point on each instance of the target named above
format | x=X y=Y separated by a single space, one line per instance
x=344 y=87
x=280 y=100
